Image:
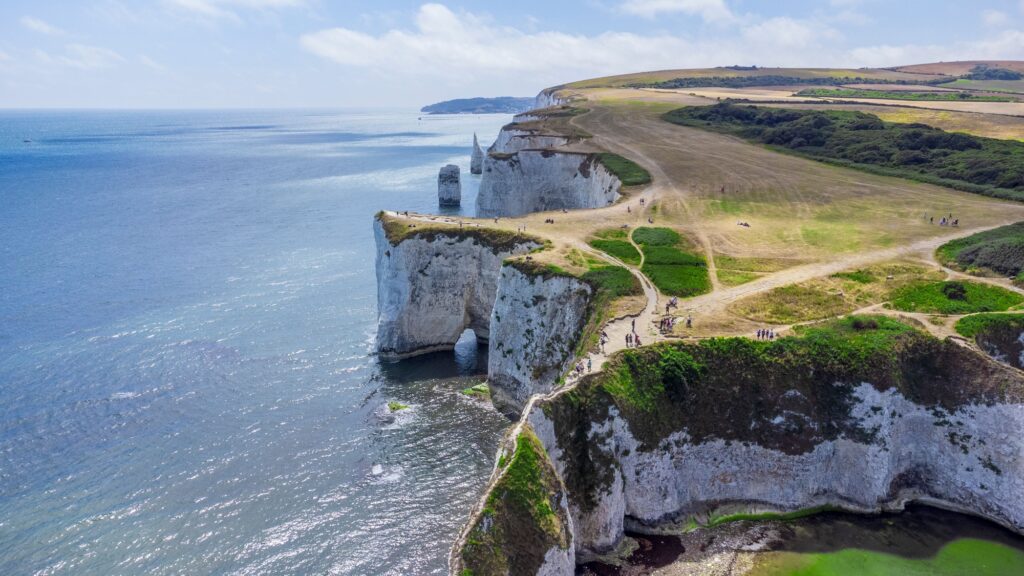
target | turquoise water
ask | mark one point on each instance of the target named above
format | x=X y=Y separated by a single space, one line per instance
x=187 y=310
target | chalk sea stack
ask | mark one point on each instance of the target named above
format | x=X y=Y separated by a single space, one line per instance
x=449 y=186
x=476 y=163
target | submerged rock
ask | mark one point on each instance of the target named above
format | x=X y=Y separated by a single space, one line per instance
x=476 y=162
x=449 y=186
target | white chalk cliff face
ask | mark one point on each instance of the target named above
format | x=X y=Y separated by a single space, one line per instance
x=548 y=98
x=535 y=327
x=529 y=181
x=429 y=290
x=911 y=459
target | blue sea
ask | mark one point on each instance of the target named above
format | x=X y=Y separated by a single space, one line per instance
x=187 y=315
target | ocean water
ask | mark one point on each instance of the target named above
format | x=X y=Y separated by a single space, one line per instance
x=187 y=311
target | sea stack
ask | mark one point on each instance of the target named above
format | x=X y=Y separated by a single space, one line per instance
x=476 y=163
x=449 y=186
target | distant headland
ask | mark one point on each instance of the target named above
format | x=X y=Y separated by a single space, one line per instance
x=499 y=105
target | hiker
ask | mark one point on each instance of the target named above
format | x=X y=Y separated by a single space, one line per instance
x=588 y=365
x=633 y=325
x=931 y=220
x=758 y=333
x=689 y=321
x=636 y=340
x=629 y=339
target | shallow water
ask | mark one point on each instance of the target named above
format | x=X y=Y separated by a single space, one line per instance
x=187 y=309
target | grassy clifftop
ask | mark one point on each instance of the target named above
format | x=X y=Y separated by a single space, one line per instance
x=398 y=230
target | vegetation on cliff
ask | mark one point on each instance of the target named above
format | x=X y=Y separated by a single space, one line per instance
x=628 y=172
x=855 y=139
x=522 y=518
x=999 y=251
x=789 y=394
x=397 y=230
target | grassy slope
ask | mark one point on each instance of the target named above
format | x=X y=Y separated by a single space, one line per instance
x=1000 y=251
x=900 y=95
x=971 y=326
x=974 y=164
x=628 y=172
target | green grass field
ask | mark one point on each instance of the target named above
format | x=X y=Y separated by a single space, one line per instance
x=954 y=297
x=620 y=249
x=926 y=96
x=675 y=271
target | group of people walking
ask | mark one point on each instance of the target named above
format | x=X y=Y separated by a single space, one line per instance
x=581 y=367
x=766 y=334
x=945 y=221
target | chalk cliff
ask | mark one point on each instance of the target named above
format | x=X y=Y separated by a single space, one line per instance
x=549 y=97
x=865 y=421
x=530 y=180
x=535 y=327
x=476 y=161
x=433 y=284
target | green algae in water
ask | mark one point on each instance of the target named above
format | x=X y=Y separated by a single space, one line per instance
x=967 y=556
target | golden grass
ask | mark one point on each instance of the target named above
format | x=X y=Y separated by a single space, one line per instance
x=833 y=295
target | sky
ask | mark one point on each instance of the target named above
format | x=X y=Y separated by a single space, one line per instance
x=399 y=53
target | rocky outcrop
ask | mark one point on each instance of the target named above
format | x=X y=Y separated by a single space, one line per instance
x=476 y=161
x=529 y=180
x=433 y=284
x=535 y=327
x=674 y=433
x=449 y=186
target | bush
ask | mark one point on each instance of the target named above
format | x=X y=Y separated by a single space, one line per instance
x=955 y=290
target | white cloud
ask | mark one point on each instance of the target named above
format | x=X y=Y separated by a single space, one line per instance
x=1006 y=45
x=225 y=9
x=82 y=57
x=786 y=32
x=995 y=18
x=709 y=10
x=36 y=25
x=150 y=63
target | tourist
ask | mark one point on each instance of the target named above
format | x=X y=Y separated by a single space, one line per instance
x=589 y=365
